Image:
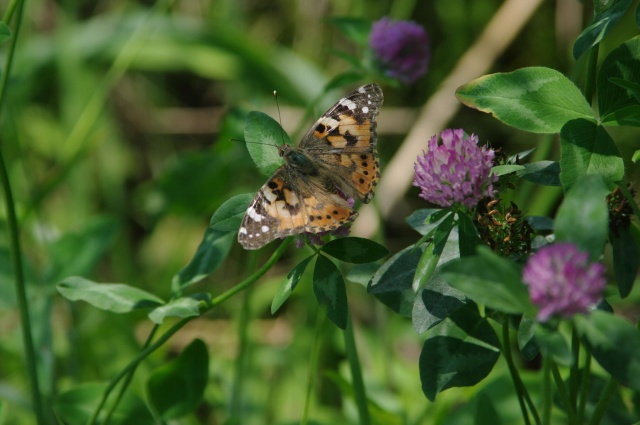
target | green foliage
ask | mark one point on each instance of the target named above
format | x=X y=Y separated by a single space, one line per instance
x=114 y=297
x=176 y=389
x=536 y=99
x=263 y=135
x=330 y=291
x=116 y=127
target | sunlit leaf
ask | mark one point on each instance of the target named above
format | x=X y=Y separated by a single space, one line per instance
x=263 y=135
x=114 y=297
x=536 y=99
x=229 y=216
x=180 y=307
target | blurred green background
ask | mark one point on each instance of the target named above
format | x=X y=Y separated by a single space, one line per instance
x=117 y=130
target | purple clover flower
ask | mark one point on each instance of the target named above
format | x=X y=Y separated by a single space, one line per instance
x=562 y=282
x=400 y=48
x=456 y=170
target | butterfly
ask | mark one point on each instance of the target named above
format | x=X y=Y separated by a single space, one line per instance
x=313 y=191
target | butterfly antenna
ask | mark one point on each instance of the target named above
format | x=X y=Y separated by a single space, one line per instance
x=275 y=95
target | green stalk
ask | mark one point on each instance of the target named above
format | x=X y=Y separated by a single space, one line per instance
x=313 y=363
x=603 y=403
x=563 y=393
x=235 y=405
x=584 y=387
x=356 y=373
x=14 y=236
x=517 y=383
x=8 y=14
x=574 y=375
x=547 y=402
x=179 y=325
x=127 y=380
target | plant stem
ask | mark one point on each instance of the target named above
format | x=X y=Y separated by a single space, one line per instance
x=179 y=325
x=235 y=405
x=313 y=363
x=563 y=393
x=517 y=383
x=603 y=403
x=546 y=390
x=14 y=237
x=574 y=375
x=127 y=380
x=356 y=373
x=584 y=387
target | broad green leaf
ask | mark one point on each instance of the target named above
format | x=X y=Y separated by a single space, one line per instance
x=627 y=115
x=330 y=291
x=289 y=284
x=78 y=253
x=355 y=250
x=553 y=343
x=229 y=216
x=176 y=388
x=491 y=280
x=211 y=252
x=614 y=343
x=536 y=99
x=392 y=283
x=546 y=173
x=76 y=406
x=435 y=302
x=623 y=63
x=425 y=220
x=114 y=297
x=460 y=352
x=5 y=32
x=263 y=135
x=526 y=338
x=604 y=21
x=587 y=148
x=583 y=216
x=626 y=260
x=636 y=155
x=180 y=307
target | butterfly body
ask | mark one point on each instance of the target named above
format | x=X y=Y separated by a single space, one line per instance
x=313 y=190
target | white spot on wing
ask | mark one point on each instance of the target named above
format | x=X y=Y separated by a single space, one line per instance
x=253 y=214
x=349 y=104
x=365 y=109
x=362 y=90
x=243 y=230
x=265 y=229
